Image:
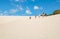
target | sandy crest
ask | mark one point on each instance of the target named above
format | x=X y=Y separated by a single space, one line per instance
x=24 y=28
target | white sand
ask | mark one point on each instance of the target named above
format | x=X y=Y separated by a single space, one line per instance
x=24 y=28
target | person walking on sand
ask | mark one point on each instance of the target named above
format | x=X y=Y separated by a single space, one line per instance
x=44 y=14
x=29 y=17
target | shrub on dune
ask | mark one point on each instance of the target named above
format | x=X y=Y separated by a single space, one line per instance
x=56 y=12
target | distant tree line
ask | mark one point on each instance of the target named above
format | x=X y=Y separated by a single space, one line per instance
x=55 y=12
x=44 y=14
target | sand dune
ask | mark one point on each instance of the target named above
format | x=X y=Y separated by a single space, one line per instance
x=35 y=28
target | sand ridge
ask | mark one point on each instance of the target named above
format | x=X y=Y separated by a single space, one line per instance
x=25 y=28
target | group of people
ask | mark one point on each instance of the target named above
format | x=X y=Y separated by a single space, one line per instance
x=43 y=14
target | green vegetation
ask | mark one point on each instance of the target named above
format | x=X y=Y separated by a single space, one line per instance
x=55 y=12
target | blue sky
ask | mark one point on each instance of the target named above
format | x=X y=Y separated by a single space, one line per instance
x=28 y=7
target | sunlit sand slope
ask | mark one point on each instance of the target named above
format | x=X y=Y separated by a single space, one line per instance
x=35 y=28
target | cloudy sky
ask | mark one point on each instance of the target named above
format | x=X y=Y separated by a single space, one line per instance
x=28 y=7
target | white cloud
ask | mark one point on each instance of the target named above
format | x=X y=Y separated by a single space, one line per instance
x=20 y=8
x=5 y=12
x=20 y=0
x=16 y=0
x=58 y=1
x=36 y=7
x=41 y=8
x=33 y=0
x=13 y=10
x=1 y=14
x=28 y=11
